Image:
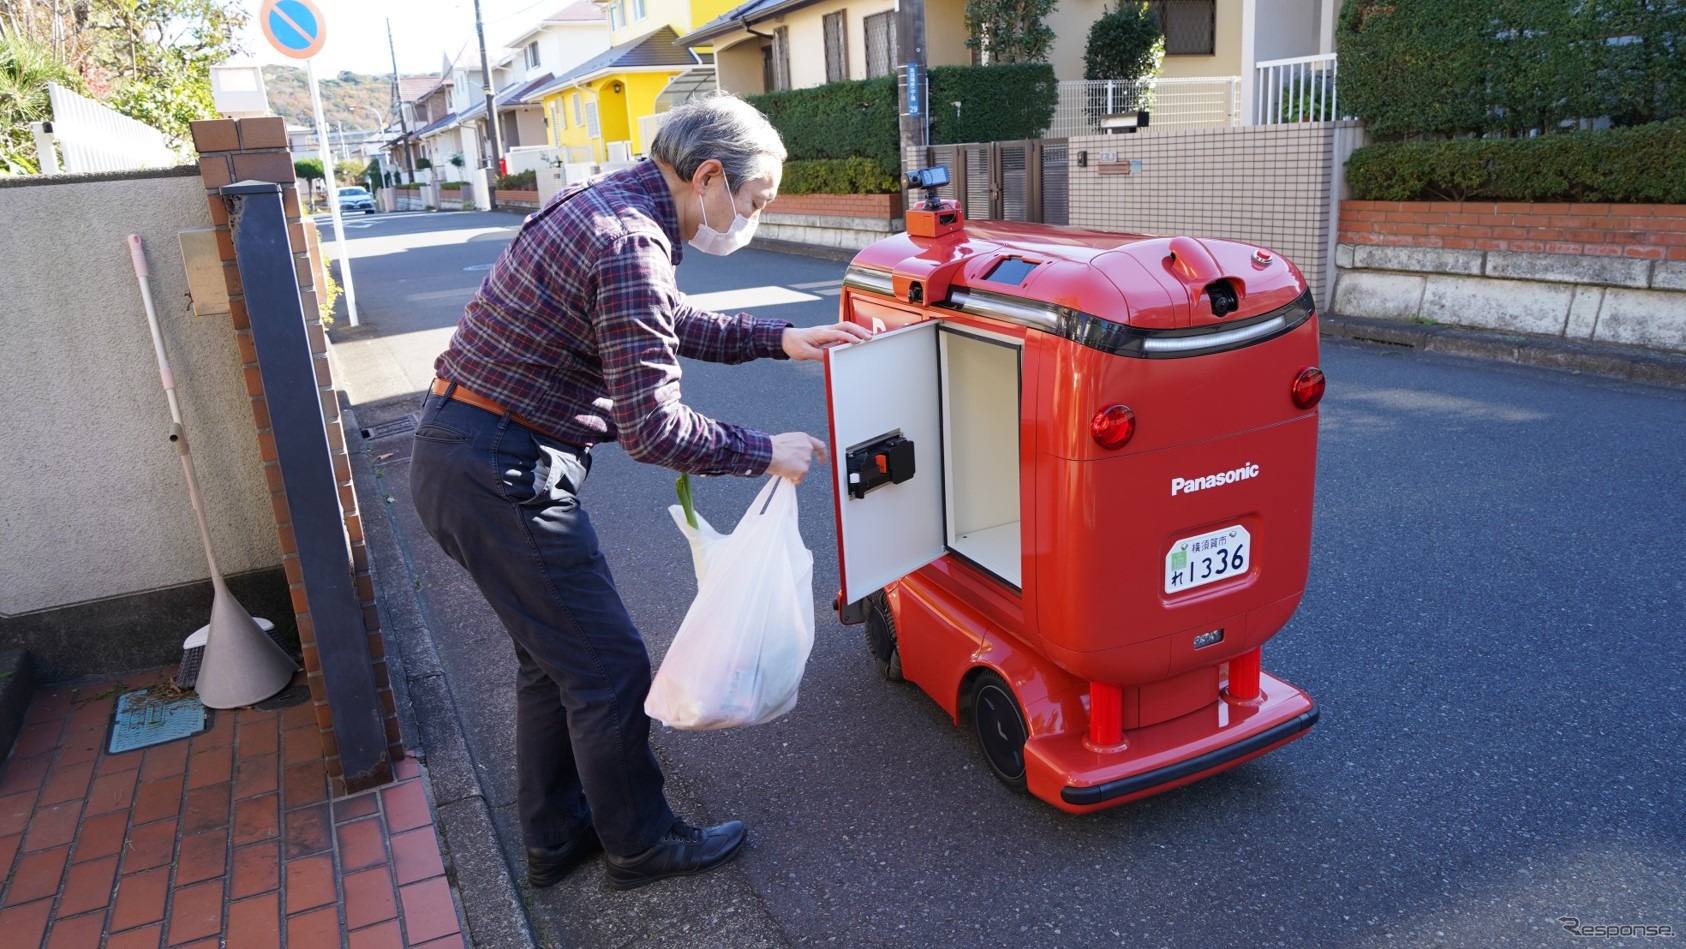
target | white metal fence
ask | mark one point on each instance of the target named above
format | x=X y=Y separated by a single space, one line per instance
x=1301 y=89
x=91 y=137
x=1207 y=102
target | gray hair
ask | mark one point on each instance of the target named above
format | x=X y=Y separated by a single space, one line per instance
x=720 y=126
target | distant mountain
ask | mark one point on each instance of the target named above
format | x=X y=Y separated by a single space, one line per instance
x=351 y=99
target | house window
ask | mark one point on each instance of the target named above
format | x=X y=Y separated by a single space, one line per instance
x=1189 y=25
x=836 y=48
x=533 y=55
x=617 y=15
x=880 y=43
x=637 y=10
x=558 y=121
x=781 y=58
x=579 y=117
x=591 y=120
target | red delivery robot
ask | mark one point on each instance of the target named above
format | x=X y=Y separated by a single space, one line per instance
x=1074 y=492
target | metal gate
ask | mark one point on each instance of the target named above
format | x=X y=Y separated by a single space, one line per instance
x=1008 y=181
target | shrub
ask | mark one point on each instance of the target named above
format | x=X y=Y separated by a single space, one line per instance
x=997 y=103
x=838 y=176
x=854 y=119
x=1010 y=31
x=520 y=181
x=1645 y=164
x=1451 y=67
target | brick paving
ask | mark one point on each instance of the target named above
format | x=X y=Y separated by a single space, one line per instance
x=227 y=838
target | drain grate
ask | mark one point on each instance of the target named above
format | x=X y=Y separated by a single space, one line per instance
x=398 y=426
x=144 y=719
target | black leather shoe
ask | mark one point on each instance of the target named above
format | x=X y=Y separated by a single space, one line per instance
x=546 y=866
x=682 y=851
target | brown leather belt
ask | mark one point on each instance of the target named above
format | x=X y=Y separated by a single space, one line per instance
x=459 y=394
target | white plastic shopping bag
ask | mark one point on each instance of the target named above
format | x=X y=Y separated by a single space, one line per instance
x=740 y=651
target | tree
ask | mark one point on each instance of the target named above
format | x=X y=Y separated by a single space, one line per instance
x=310 y=171
x=149 y=59
x=1010 y=31
x=1125 y=44
x=348 y=170
x=25 y=69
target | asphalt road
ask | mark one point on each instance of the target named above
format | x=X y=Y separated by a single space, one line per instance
x=1492 y=629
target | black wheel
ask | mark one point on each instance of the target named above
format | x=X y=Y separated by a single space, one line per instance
x=881 y=637
x=1000 y=727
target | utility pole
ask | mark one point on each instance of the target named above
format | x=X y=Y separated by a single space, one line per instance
x=491 y=111
x=916 y=111
x=398 y=104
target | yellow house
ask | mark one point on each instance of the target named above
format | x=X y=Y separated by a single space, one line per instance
x=601 y=110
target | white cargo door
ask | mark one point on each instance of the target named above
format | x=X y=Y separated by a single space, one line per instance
x=884 y=387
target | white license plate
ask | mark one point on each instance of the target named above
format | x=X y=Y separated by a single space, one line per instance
x=1196 y=561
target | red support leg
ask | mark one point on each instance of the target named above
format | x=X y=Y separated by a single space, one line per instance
x=1106 y=715
x=1244 y=676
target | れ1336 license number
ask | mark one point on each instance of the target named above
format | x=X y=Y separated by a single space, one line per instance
x=1217 y=555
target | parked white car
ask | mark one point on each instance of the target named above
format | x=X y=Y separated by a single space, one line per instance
x=356 y=199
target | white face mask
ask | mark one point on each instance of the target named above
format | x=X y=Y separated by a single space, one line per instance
x=720 y=243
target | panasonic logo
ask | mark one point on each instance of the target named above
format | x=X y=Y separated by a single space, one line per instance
x=1191 y=485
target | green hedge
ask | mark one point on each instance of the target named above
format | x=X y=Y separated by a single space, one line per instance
x=855 y=119
x=520 y=181
x=858 y=121
x=1451 y=67
x=997 y=103
x=838 y=176
x=1646 y=164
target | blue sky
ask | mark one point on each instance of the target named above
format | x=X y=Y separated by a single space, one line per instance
x=423 y=30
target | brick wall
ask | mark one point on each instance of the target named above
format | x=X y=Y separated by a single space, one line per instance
x=256 y=150
x=838 y=205
x=1638 y=231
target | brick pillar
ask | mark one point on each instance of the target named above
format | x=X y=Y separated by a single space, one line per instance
x=256 y=150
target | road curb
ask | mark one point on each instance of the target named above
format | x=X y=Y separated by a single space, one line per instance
x=491 y=901
x=1632 y=363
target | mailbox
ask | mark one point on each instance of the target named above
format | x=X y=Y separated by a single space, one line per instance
x=1116 y=441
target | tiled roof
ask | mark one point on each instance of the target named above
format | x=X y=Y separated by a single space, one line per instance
x=729 y=22
x=660 y=48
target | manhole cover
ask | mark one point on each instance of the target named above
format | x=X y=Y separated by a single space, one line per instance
x=145 y=718
x=397 y=426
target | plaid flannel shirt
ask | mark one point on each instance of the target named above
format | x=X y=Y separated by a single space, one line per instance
x=579 y=325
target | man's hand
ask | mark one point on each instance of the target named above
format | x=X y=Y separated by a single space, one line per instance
x=793 y=453
x=809 y=342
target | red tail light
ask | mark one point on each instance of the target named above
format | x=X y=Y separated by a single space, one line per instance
x=1308 y=387
x=1113 y=428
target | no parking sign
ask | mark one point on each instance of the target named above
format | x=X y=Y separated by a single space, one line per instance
x=294 y=27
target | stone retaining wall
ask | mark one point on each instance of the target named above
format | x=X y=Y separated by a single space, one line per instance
x=850 y=221
x=1597 y=272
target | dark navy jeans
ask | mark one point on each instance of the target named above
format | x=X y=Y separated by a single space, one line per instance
x=504 y=502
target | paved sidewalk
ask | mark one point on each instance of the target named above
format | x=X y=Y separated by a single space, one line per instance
x=225 y=838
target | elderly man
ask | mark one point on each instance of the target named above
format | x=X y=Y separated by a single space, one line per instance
x=572 y=340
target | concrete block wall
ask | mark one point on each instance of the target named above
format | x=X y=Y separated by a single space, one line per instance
x=1272 y=185
x=102 y=571
x=847 y=221
x=256 y=150
x=1591 y=272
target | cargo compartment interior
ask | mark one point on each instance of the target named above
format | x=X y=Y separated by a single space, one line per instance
x=981 y=381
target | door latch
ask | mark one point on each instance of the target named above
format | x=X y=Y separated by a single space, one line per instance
x=887 y=460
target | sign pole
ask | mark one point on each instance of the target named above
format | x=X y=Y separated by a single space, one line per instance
x=297 y=30
x=333 y=195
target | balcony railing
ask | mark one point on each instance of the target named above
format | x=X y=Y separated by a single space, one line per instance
x=1207 y=102
x=1301 y=89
